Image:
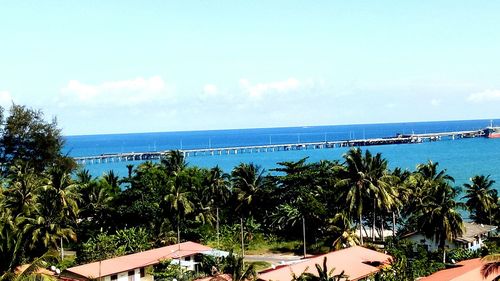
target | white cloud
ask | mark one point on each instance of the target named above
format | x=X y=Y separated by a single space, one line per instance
x=435 y=102
x=118 y=93
x=259 y=90
x=5 y=99
x=209 y=90
x=485 y=96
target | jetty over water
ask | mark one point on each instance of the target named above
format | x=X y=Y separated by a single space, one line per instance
x=212 y=151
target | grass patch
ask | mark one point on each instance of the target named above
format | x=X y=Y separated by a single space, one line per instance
x=261 y=265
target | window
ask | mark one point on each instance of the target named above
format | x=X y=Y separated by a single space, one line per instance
x=188 y=258
x=142 y=272
x=131 y=275
x=114 y=277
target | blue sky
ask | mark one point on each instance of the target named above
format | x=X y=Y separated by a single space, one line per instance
x=143 y=66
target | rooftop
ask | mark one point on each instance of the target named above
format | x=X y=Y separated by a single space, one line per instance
x=356 y=262
x=137 y=260
x=465 y=271
x=472 y=230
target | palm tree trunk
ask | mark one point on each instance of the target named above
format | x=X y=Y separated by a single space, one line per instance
x=393 y=225
x=374 y=218
x=360 y=228
x=382 y=227
x=242 y=240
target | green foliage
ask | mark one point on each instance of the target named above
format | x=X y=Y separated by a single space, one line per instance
x=481 y=199
x=408 y=264
x=105 y=246
x=167 y=270
x=27 y=137
x=323 y=274
x=41 y=203
x=460 y=254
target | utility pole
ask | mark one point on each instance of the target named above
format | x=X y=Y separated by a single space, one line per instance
x=62 y=250
x=242 y=240
x=304 y=234
x=217 y=225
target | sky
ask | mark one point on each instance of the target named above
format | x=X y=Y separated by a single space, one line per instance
x=110 y=66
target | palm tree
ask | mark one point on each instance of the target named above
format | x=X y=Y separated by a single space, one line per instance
x=111 y=179
x=32 y=271
x=492 y=265
x=437 y=216
x=174 y=161
x=383 y=195
x=178 y=198
x=248 y=181
x=366 y=182
x=12 y=241
x=23 y=184
x=399 y=185
x=217 y=189
x=342 y=229
x=481 y=198
x=130 y=167
x=429 y=171
x=83 y=176
x=323 y=274
x=235 y=266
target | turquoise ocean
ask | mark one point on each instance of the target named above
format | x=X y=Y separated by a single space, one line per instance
x=462 y=158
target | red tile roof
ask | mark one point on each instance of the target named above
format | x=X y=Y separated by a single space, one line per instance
x=137 y=260
x=353 y=261
x=467 y=270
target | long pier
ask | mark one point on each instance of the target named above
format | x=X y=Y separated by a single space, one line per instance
x=399 y=139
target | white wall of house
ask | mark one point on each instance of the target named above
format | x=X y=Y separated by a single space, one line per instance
x=124 y=276
x=431 y=244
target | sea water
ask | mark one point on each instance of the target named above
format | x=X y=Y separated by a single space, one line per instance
x=462 y=158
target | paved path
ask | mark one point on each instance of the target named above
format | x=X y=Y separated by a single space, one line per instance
x=272 y=258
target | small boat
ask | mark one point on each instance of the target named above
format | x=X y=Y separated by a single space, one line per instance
x=492 y=132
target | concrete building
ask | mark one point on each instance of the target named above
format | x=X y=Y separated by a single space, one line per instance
x=472 y=238
x=134 y=267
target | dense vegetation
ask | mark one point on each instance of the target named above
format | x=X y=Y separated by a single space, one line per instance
x=46 y=202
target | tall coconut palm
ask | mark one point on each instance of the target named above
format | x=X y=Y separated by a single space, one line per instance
x=437 y=215
x=55 y=213
x=248 y=181
x=383 y=195
x=491 y=266
x=23 y=184
x=174 y=161
x=430 y=172
x=480 y=198
x=178 y=198
x=357 y=183
x=365 y=182
x=111 y=179
x=217 y=187
x=402 y=192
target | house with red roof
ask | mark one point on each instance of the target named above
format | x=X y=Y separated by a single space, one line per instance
x=134 y=267
x=467 y=270
x=356 y=262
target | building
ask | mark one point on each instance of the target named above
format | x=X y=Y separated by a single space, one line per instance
x=467 y=270
x=134 y=267
x=356 y=262
x=472 y=238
